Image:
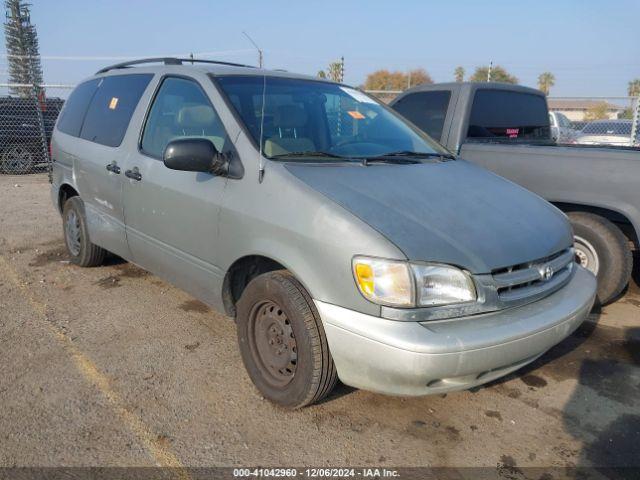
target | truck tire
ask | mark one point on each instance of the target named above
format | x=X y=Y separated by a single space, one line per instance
x=604 y=250
x=282 y=341
x=76 y=236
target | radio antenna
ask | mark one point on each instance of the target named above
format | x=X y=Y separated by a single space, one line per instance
x=261 y=158
x=260 y=56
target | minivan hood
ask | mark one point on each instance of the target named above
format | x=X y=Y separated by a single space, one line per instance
x=451 y=212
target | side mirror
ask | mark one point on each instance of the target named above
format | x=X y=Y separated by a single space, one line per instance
x=194 y=155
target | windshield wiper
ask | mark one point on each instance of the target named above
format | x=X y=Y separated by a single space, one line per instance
x=410 y=153
x=405 y=157
x=387 y=159
x=309 y=154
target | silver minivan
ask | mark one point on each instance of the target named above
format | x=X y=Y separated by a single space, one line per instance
x=345 y=243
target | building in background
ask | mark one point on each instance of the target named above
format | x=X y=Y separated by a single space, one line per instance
x=581 y=110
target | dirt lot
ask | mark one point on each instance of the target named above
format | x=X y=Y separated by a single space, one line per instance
x=113 y=366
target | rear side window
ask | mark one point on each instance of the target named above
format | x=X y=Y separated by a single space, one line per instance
x=70 y=121
x=426 y=110
x=110 y=110
x=508 y=115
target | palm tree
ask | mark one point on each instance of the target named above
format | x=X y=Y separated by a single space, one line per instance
x=634 y=88
x=546 y=80
x=459 y=74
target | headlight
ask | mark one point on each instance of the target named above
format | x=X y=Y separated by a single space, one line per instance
x=402 y=284
x=442 y=285
x=386 y=282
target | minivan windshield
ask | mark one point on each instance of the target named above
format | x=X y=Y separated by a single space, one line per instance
x=308 y=120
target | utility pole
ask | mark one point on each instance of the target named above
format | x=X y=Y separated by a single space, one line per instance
x=260 y=56
x=341 y=69
x=634 y=126
x=489 y=71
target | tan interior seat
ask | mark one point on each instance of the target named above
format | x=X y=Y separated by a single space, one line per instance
x=290 y=121
x=199 y=121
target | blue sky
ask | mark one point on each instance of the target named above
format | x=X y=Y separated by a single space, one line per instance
x=592 y=47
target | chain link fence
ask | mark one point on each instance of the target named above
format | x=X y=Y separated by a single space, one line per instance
x=611 y=121
x=27 y=118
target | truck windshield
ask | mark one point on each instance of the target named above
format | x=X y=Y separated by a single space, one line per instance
x=307 y=120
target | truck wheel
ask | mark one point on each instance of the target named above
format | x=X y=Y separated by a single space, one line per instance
x=282 y=341
x=604 y=250
x=76 y=236
x=16 y=160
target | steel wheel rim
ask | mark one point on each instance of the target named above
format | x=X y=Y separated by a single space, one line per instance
x=73 y=233
x=273 y=343
x=17 y=159
x=586 y=254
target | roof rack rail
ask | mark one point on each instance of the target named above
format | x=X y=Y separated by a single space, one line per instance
x=168 y=61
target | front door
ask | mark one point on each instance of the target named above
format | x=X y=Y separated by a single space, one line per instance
x=171 y=216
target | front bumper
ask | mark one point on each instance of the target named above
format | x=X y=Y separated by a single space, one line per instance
x=412 y=358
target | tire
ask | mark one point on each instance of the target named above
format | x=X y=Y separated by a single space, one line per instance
x=76 y=236
x=17 y=159
x=604 y=250
x=282 y=341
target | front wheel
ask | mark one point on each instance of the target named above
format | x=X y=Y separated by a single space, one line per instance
x=604 y=250
x=282 y=341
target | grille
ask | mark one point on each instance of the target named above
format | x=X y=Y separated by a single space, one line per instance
x=531 y=280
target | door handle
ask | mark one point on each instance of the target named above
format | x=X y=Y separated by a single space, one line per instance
x=134 y=174
x=113 y=168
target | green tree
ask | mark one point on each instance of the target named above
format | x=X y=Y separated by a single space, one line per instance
x=627 y=113
x=21 y=41
x=459 y=74
x=599 y=111
x=498 y=74
x=386 y=80
x=634 y=88
x=546 y=80
x=335 y=71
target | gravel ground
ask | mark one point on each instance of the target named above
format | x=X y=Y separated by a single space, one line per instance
x=112 y=366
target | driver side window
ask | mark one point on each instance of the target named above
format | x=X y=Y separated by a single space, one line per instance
x=181 y=109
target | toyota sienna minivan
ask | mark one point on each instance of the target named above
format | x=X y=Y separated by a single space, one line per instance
x=345 y=243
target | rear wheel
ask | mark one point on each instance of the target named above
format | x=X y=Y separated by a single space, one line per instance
x=604 y=250
x=282 y=341
x=76 y=236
